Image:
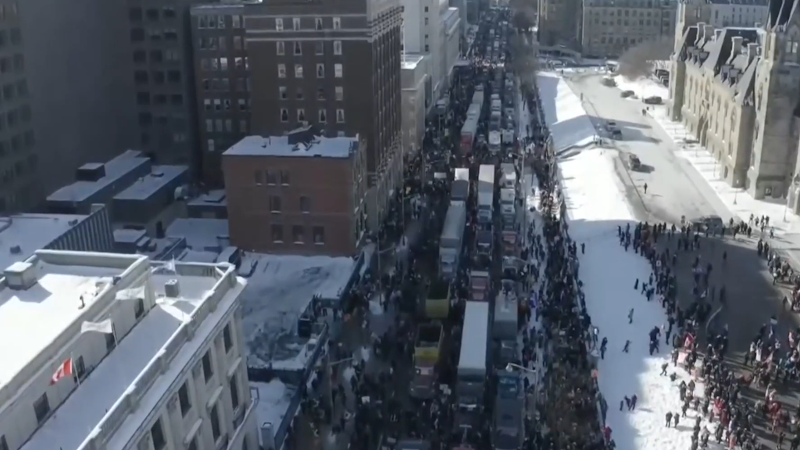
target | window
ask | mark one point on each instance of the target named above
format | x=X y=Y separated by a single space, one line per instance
x=296 y=23
x=318 y=23
x=234 y=393
x=272 y=178
x=236 y=22
x=339 y=93
x=214 y=416
x=427 y=48
x=111 y=340
x=301 y=115
x=337 y=70
x=243 y=128
x=217 y=104
x=275 y=203
x=426 y=21
x=299 y=94
x=322 y=117
x=337 y=47
x=80 y=369
x=221 y=22
x=139 y=56
x=339 y=116
x=208 y=371
x=237 y=42
x=242 y=104
x=284 y=175
x=282 y=92
x=223 y=64
x=183 y=399
x=281 y=70
x=227 y=339
x=337 y=23
x=284 y=115
x=238 y=62
x=280 y=48
x=319 y=48
x=278 y=24
x=297 y=234
x=426 y=9
x=305 y=201
x=298 y=71
x=42 y=408
x=277 y=233
x=258 y=177
x=157 y=433
x=138 y=309
x=320 y=70
x=321 y=93
x=229 y=125
x=318 y=235
x=210 y=145
x=298 y=48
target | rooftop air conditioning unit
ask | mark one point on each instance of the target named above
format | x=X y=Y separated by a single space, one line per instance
x=172 y=288
x=21 y=276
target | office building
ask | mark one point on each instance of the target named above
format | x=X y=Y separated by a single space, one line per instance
x=610 y=27
x=725 y=13
x=417 y=87
x=114 y=351
x=297 y=194
x=560 y=24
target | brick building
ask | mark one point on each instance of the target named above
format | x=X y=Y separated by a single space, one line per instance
x=297 y=194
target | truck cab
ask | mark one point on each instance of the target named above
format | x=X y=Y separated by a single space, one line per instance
x=479 y=285
x=426 y=357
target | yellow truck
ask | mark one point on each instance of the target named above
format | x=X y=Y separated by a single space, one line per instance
x=427 y=347
x=437 y=300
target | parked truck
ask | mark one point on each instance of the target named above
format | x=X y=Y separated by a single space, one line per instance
x=451 y=240
x=460 y=189
x=437 y=300
x=495 y=140
x=426 y=357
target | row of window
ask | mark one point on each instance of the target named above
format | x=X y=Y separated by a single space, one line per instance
x=176 y=121
x=297 y=47
x=298 y=234
x=167 y=34
x=11 y=91
x=338 y=70
x=299 y=94
x=17 y=143
x=19 y=169
x=137 y=14
x=625 y=22
x=218 y=22
x=225 y=126
x=319 y=24
x=13 y=35
x=156 y=56
x=158 y=76
x=177 y=138
x=14 y=117
x=239 y=63
x=629 y=13
x=276 y=201
x=220 y=43
x=224 y=84
x=145 y=98
x=224 y=104
x=322 y=115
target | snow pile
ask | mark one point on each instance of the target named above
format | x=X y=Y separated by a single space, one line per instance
x=272 y=401
x=642 y=87
x=596 y=206
x=568 y=122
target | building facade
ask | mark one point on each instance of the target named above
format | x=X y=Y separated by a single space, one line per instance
x=222 y=83
x=560 y=24
x=737 y=89
x=416 y=83
x=335 y=65
x=297 y=194
x=424 y=31
x=163 y=75
x=186 y=367
x=612 y=26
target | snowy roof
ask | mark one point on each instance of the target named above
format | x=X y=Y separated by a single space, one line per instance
x=150 y=184
x=215 y=197
x=272 y=401
x=30 y=232
x=474 y=336
x=115 y=169
x=567 y=120
x=411 y=60
x=200 y=234
x=146 y=362
x=279 y=146
x=278 y=292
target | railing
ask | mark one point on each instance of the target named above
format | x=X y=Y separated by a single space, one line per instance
x=239 y=431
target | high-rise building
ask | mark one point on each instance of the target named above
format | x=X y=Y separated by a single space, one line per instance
x=610 y=27
x=163 y=76
x=560 y=24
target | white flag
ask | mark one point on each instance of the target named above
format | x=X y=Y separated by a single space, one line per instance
x=104 y=326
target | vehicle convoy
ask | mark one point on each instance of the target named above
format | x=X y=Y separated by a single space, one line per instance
x=426 y=357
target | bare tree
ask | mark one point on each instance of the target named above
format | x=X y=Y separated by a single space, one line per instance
x=524 y=61
x=642 y=59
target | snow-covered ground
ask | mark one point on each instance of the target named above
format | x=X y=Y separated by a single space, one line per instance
x=642 y=87
x=569 y=124
x=278 y=292
x=596 y=205
x=737 y=200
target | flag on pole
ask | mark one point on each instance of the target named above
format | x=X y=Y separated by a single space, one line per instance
x=104 y=326
x=63 y=371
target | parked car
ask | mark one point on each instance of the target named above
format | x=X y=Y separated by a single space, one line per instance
x=709 y=222
x=626 y=94
x=616 y=134
x=633 y=162
x=654 y=100
x=610 y=125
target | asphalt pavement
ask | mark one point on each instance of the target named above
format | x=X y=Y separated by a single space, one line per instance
x=676 y=190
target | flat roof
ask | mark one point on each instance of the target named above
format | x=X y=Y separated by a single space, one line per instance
x=200 y=234
x=216 y=197
x=115 y=169
x=30 y=320
x=278 y=292
x=148 y=185
x=81 y=416
x=278 y=146
x=31 y=232
x=411 y=60
x=272 y=401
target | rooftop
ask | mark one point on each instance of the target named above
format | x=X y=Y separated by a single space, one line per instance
x=272 y=401
x=30 y=232
x=148 y=185
x=279 y=146
x=115 y=169
x=145 y=362
x=411 y=60
x=278 y=292
x=201 y=234
x=215 y=197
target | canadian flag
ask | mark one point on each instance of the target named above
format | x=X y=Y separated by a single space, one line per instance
x=64 y=370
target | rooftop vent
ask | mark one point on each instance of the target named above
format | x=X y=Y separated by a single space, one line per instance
x=20 y=276
x=15 y=250
x=172 y=288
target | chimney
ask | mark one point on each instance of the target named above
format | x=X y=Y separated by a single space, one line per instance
x=709 y=31
x=736 y=47
x=752 y=52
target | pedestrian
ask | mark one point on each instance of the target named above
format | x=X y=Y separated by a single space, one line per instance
x=630 y=316
x=669 y=418
x=627 y=344
x=645 y=188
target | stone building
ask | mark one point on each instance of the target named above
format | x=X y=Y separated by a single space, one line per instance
x=612 y=26
x=559 y=24
x=737 y=91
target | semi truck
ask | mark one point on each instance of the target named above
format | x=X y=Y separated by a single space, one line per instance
x=460 y=189
x=495 y=140
x=451 y=240
x=426 y=357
